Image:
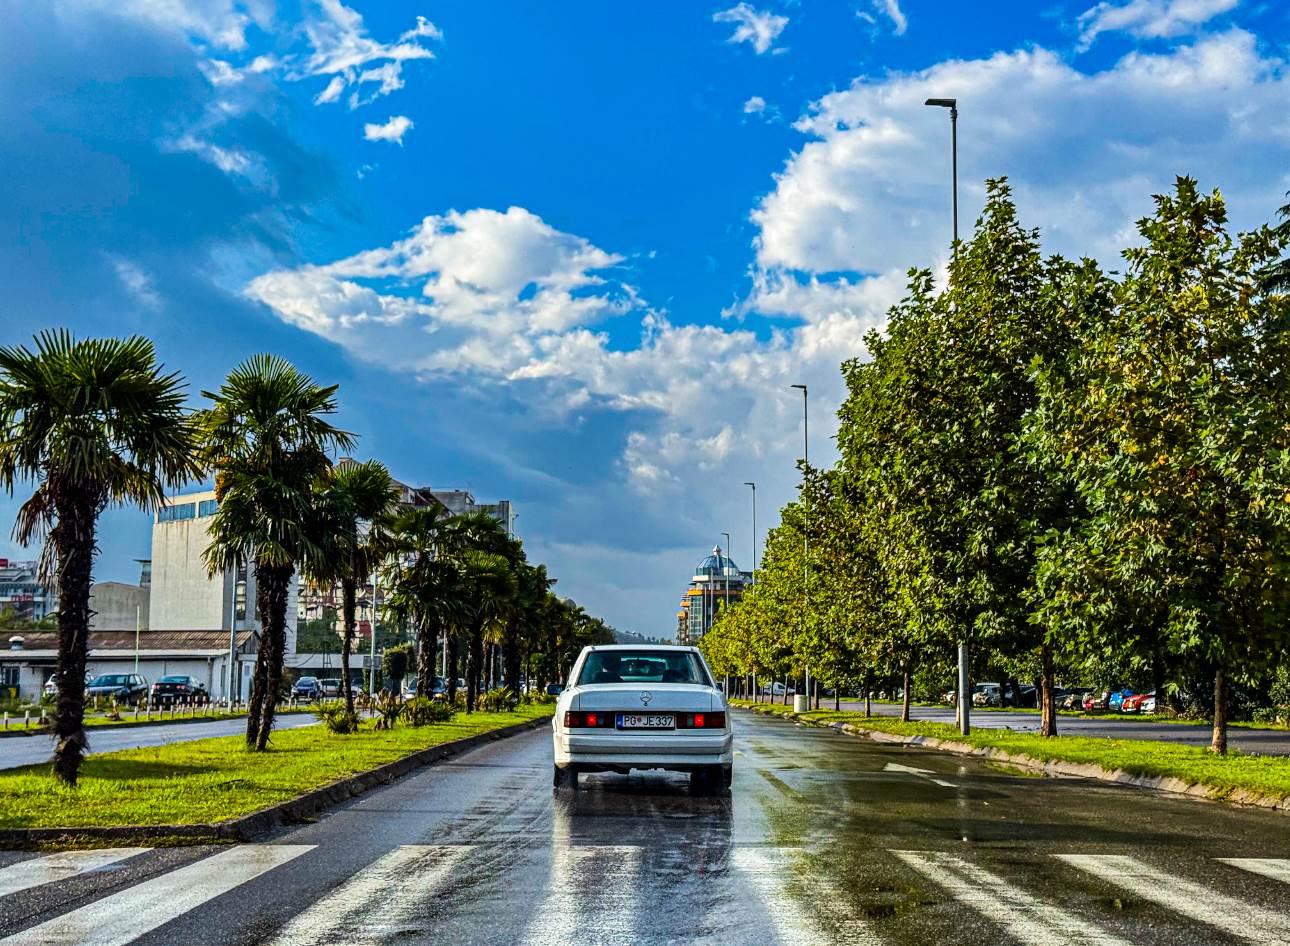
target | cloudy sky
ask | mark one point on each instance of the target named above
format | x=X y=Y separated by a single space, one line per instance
x=574 y=254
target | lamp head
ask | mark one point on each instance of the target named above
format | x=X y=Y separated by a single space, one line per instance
x=943 y=103
x=800 y=387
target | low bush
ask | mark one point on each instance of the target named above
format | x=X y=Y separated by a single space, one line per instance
x=499 y=700
x=337 y=718
x=389 y=707
x=422 y=711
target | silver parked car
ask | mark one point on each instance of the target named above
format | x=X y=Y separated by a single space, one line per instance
x=642 y=707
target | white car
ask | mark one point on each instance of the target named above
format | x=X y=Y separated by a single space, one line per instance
x=642 y=707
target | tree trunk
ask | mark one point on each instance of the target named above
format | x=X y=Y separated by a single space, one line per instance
x=904 y=698
x=73 y=539
x=868 y=697
x=1048 y=699
x=427 y=651
x=474 y=659
x=259 y=681
x=277 y=582
x=450 y=670
x=1219 y=741
x=511 y=656
x=349 y=607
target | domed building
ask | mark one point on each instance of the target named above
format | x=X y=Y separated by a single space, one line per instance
x=717 y=582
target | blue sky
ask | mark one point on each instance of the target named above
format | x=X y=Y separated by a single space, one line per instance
x=573 y=254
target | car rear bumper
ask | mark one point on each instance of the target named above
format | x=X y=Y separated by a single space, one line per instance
x=653 y=751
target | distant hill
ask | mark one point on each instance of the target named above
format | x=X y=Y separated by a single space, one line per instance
x=629 y=637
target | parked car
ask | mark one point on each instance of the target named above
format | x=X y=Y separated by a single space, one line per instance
x=50 y=689
x=128 y=688
x=1135 y=702
x=330 y=687
x=1115 y=703
x=178 y=689
x=1097 y=702
x=307 y=688
x=987 y=694
x=642 y=707
x=1073 y=699
x=773 y=689
x=1148 y=704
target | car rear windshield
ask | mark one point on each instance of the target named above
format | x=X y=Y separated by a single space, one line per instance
x=110 y=680
x=642 y=666
x=173 y=680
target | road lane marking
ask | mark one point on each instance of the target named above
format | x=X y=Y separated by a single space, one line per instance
x=53 y=867
x=592 y=896
x=921 y=773
x=374 y=904
x=1197 y=901
x=125 y=916
x=1023 y=915
x=1277 y=868
x=765 y=869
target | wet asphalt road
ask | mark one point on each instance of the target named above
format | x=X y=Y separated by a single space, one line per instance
x=1265 y=741
x=825 y=838
x=34 y=749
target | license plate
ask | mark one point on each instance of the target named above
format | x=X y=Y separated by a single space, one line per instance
x=646 y=721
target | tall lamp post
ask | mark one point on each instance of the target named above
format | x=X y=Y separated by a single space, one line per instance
x=726 y=570
x=754 y=529
x=964 y=702
x=806 y=544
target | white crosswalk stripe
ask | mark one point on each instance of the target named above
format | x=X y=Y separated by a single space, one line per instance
x=592 y=896
x=1024 y=916
x=767 y=868
x=373 y=905
x=1278 y=868
x=1196 y=901
x=125 y=916
x=60 y=866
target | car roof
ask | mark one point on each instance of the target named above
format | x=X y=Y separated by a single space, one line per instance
x=660 y=647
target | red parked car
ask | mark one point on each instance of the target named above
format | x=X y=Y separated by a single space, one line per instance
x=1139 y=702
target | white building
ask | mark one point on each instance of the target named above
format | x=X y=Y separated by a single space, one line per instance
x=184 y=596
x=461 y=501
x=31 y=657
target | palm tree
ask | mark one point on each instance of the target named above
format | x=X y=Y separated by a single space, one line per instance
x=1276 y=277
x=93 y=423
x=267 y=436
x=489 y=583
x=354 y=503
x=424 y=586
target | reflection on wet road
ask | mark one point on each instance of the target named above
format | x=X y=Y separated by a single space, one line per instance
x=824 y=839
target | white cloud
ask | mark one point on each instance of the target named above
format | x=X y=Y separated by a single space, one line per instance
x=351 y=60
x=755 y=105
x=891 y=10
x=1149 y=19
x=220 y=23
x=759 y=27
x=393 y=130
x=136 y=282
x=234 y=161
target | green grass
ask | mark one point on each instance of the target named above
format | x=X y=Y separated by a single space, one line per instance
x=1267 y=775
x=209 y=780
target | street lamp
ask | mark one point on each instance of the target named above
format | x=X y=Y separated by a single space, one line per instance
x=726 y=570
x=964 y=703
x=806 y=547
x=754 y=529
x=953 y=106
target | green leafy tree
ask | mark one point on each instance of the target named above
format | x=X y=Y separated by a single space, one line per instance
x=395 y=663
x=1173 y=420
x=94 y=423
x=1276 y=275
x=267 y=436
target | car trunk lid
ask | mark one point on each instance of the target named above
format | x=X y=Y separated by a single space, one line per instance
x=662 y=697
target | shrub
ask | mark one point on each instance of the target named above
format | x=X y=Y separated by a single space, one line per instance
x=389 y=707
x=337 y=718
x=536 y=698
x=499 y=700
x=422 y=711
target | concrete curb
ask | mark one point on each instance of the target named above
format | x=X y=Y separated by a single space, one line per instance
x=258 y=823
x=1168 y=784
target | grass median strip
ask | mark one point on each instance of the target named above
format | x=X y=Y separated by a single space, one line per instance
x=1265 y=775
x=158 y=718
x=210 y=780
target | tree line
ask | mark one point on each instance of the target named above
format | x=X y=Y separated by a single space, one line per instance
x=1083 y=474
x=99 y=422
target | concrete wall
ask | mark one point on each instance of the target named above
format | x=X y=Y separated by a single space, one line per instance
x=115 y=606
x=184 y=597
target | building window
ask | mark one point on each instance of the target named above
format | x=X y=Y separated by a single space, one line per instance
x=207 y=507
x=177 y=512
x=9 y=676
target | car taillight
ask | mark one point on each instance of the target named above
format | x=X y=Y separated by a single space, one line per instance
x=581 y=720
x=701 y=721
